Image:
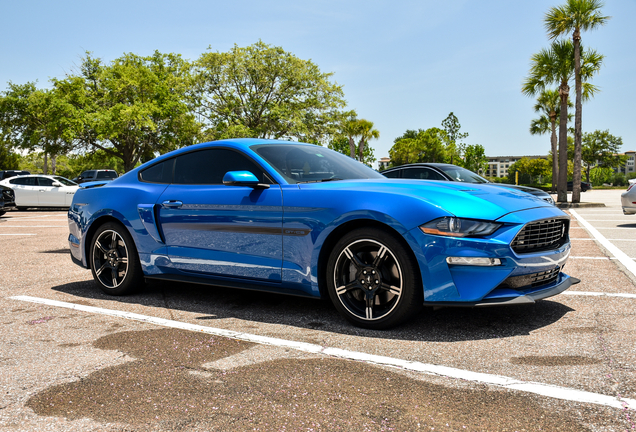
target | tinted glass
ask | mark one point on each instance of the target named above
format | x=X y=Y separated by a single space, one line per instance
x=44 y=181
x=26 y=181
x=462 y=174
x=64 y=181
x=106 y=174
x=299 y=163
x=159 y=173
x=422 y=174
x=87 y=174
x=209 y=166
x=392 y=174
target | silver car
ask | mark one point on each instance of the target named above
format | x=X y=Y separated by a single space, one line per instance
x=628 y=199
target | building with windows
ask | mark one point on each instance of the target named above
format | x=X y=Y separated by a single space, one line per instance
x=383 y=163
x=628 y=168
x=498 y=165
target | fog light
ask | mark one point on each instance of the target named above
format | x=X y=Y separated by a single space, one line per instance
x=474 y=261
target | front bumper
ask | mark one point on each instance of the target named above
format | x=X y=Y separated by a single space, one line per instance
x=520 y=277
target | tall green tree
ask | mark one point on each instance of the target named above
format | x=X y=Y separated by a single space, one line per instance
x=367 y=133
x=419 y=146
x=475 y=158
x=453 y=137
x=600 y=148
x=555 y=65
x=36 y=120
x=548 y=107
x=341 y=145
x=576 y=16
x=132 y=107
x=268 y=92
x=8 y=159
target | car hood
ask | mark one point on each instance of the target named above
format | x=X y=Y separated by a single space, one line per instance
x=468 y=200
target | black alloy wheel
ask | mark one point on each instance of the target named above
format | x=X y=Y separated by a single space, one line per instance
x=373 y=280
x=114 y=261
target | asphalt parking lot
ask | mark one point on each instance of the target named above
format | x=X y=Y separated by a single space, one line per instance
x=189 y=357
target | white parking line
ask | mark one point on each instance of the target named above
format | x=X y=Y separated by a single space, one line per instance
x=619 y=254
x=34 y=226
x=31 y=217
x=589 y=258
x=431 y=369
x=599 y=294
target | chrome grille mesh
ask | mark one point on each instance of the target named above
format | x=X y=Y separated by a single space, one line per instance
x=540 y=236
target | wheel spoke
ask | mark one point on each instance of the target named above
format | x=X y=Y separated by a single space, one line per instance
x=113 y=274
x=391 y=288
x=354 y=259
x=369 y=306
x=379 y=258
x=348 y=287
x=102 y=268
x=101 y=247
x=122 y=260
x=113 y=240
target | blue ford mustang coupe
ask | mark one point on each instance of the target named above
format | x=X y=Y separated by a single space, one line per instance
x=300 y=219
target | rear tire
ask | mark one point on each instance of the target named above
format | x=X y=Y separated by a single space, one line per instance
x=373 y=279
x=114 y=260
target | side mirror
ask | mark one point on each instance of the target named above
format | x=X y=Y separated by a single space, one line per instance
x=242 y=178
x=57 y=184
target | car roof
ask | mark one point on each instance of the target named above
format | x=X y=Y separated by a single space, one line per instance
x=237 y=143
x=426 y=164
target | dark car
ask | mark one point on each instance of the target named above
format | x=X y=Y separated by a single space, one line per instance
x=12 y=173
x=449 y=172
x=7 y=199
x=585 y=186
x=96 y=175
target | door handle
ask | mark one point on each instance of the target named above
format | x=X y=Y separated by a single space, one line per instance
x=172 y=204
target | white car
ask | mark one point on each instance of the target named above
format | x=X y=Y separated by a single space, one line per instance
x=628 y=200
x=40 y=190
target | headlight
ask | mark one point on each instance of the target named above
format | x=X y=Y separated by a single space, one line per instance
x=459 y=227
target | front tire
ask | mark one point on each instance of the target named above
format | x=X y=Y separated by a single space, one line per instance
x=373 y=279
x=114 y=260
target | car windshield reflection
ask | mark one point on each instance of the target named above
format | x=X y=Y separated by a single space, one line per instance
x=311 y=164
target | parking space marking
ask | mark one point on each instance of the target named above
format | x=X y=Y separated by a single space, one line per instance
x=35 y=226
x=33 y=217
x=548 y=390
x=589 y=258
x=629 y=264
x=599 y=294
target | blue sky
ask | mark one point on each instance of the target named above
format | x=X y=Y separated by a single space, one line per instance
x=403 y=64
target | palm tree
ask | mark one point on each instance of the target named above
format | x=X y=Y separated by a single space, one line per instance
x=548 y=105
x=366 y=133
x=574 y=16
x=555 y=65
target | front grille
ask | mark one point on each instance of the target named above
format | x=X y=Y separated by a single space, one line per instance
x=543 y=235
x=533 y=280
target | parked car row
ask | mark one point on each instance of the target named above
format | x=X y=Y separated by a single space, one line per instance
x=39 y=190
x=23 y=190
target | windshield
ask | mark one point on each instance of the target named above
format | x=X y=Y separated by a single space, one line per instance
x=462 y=174
x=64 y=181
x=302 y=163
